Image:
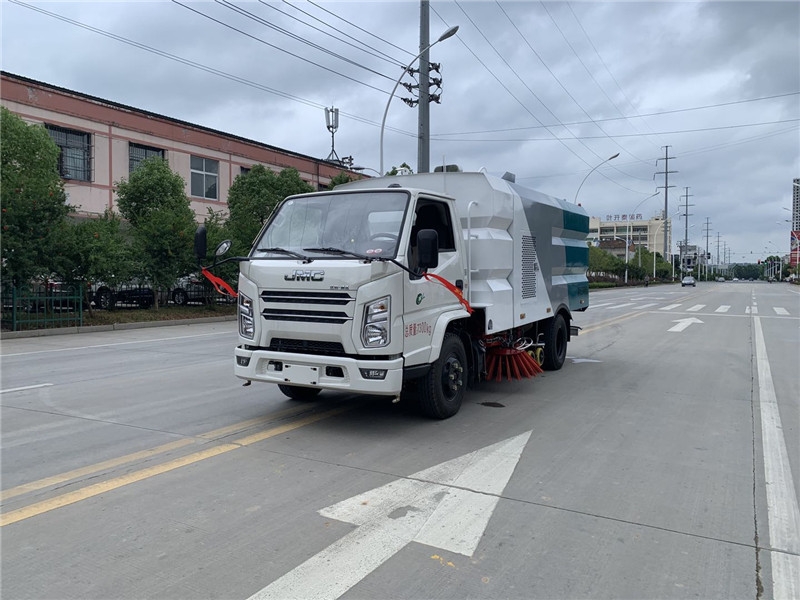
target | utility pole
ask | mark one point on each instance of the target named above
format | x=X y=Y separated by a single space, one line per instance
x=424 y=107
x=707 y=232
x=686 y=214
x=666 y=173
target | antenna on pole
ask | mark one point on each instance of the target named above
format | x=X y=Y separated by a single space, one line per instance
x=332 y=123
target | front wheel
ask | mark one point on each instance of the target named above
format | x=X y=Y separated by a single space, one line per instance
x=299 y=393
x=441 y=391
x=555 y=344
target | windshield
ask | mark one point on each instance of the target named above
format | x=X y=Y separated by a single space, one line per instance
x=332 y=225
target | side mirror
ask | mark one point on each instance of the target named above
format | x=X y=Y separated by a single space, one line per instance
x=200 y=244
x=428 y=249
x=223 y=247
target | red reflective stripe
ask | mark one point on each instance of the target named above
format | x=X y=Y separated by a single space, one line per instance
x=453 y=289
x=219 y=284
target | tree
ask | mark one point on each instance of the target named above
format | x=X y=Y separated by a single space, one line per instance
x=95 y=250
x=34 y=205
x=162 y=222
x=396 y=170
x=252 y=198
x=339 y=179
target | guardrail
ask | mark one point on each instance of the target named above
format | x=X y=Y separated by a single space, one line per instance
x=50 y=307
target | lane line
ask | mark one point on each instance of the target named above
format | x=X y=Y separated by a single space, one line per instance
x=111 y=345
x=783 y=513
x=620 y=305
x=696 y=308
x=723 y=308
x=144 y=454
x=669 y=307
x=27 y=387
x=779 y=310
x=104 y=487
x=643 y=306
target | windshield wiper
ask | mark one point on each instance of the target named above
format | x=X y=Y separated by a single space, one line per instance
x=332 y=250
x=285 y=251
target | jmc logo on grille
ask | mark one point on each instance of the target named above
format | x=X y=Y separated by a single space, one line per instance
x=300 y=275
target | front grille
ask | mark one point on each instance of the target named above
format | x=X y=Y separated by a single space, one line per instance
x=306 y=347
x=334 y=298
x=304 y=307
x=305 y=316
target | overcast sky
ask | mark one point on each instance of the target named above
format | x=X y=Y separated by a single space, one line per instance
x=545 y=90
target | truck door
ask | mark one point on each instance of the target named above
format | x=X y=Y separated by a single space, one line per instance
x=425 y=300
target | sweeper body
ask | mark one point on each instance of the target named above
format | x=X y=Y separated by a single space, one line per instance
x=421 y=284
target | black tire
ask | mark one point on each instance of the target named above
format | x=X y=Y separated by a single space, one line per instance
x=441 y=391
x=180 y=297
x=104 y=299
x=555 y=344
x=299 y=393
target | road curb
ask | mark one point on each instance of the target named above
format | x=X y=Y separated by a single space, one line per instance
x=13 y=335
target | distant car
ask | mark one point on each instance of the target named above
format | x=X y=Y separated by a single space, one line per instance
x=720 y=279
x=192 y=288
x=133 y=292
x=688 y=281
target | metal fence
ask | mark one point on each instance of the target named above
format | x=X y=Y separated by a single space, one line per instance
x=43 y=307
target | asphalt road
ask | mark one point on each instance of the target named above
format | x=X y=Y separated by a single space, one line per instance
x=662 y=461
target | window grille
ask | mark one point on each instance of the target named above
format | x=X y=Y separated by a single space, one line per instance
x=138 y=152
x=75 y=158
x=205 y=173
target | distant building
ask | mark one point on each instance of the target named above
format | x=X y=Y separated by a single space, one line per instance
x=645 y=233
x=102 y=142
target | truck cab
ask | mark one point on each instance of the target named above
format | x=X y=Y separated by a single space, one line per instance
x=333 y=294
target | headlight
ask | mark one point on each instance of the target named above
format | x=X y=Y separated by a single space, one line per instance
x=375 y=332
x=247 y=326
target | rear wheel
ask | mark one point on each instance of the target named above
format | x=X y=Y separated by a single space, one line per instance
x=104 y=299
x=555 y=344
x=299 y=393
x=179 y=297
x=441 y=391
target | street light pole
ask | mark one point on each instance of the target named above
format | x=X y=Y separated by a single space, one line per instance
x=590 y=172
x=627 y=242
x=449 y=33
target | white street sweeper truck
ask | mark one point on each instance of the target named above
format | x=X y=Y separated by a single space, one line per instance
x=421 y=284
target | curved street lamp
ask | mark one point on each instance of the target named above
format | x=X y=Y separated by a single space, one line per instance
x=628 y=241
x=590 y=172
x=449 y=33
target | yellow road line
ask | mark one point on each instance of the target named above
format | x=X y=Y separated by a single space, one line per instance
x=96 y=489
x=141 y=455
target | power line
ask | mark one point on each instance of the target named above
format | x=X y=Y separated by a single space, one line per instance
x=274 y=47
x=510 y=93
x=563 y=87
x=600 y=137
x=375 y=52
x=653 y=114
x=358 y=28
x=202 y=67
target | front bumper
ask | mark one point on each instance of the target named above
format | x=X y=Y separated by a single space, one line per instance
x=324 y=372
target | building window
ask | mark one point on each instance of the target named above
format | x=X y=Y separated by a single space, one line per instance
x=244 y=170
x=137 y=153
x=205 y=173
x=75 y=158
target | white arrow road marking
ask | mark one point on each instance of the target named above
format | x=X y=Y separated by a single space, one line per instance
x=447 y=506
x=683 y=324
